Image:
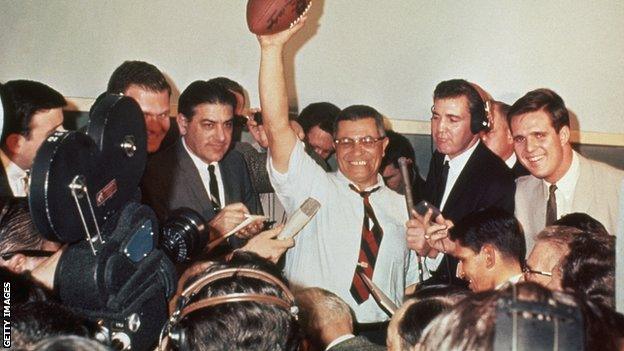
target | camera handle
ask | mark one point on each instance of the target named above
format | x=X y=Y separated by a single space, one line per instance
x=80 y=192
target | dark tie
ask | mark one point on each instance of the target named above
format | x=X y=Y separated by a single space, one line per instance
x=442 y=184
x=551 y=205
x=369 y=247
x=214 y=189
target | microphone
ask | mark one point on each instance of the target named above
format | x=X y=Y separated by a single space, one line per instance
x=407 y=183
x=300 y=218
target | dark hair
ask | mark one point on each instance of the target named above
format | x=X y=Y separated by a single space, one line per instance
x=22 y=99
x=140 y=73
x=359 y=112
x=228 y=84
x=589 y=268
x=398 y=146
x=417 y=317
x=455 y=88
x=17 y=231
x=471 y=325
x=203 y=92
x=241 y=325
x=70 y=342
x=582 y=221
x=321 y=114
x=492 y=226
x=37 y=320
x=542 y=99
x=23 y=288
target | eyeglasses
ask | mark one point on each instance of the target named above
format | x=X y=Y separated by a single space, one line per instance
x=367 y=141
x=30 y=253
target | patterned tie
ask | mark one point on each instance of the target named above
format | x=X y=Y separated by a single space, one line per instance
x=214 y=189
x=442 y=184
x=369 y=247
x=551 y=205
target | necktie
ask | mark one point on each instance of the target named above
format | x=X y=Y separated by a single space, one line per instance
x=214 y=189
x=442 y=184
x=551 y=205
x=369 y=247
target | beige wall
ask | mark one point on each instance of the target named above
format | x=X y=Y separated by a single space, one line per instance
x=389 y=53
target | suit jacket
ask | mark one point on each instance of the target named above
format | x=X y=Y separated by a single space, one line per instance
x=519 y=170
x=485 y=182
x=5 y=188
x=171 y=181
x=597 y=193
x=359 y=343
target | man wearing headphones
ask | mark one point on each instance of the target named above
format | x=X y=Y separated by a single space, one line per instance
x=464 y=175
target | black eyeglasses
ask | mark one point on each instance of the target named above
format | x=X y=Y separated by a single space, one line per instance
x=30 y=253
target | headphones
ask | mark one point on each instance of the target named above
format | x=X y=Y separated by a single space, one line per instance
x=480 y=121
x=177 y=336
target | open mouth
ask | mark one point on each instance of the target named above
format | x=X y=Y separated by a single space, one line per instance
x=358 y=163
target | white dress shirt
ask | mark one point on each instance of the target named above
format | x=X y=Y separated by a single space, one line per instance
x=511 y=161
x=202 y=168
x=17 y=177
x=456 y=165
x=326 y=250
x=565 y=187
x=338 y=340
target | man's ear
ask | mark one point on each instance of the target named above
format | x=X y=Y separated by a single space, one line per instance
x=386 y=141
x=564 y=135
x=182 y=124
x=17 y=263
x=13 y=143
x=489 y=255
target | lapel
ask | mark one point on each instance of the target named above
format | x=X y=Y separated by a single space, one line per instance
x=5 y=188
x=227 y=179
x=468 y=177
x=191 y=181
x=584 y=193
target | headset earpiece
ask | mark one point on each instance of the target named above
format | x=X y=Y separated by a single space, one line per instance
x=176 y=336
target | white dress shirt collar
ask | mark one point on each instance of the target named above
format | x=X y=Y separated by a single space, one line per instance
x=456 y=165
x=338 y=340
x=15 y=175
x=346 y=180
x=511 y=161
x=565 y=187
x=202 y=168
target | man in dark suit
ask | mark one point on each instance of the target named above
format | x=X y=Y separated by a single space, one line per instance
x=498 y=137
x=32 y=111
x=464 y=175
x=200 y=171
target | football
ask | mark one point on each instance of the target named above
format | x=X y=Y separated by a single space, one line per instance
x=273 y=16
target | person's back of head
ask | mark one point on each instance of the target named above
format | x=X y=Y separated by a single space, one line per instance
x=323 y=316
x=22 y=247
x=70 y=343
x=589 y=268
x=237 y=306
x=582 y=221
x=543 y=319
x=34 y=321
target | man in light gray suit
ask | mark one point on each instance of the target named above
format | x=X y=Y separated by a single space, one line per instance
x=561 y=180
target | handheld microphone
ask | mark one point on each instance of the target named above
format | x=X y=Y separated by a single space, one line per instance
x=300 y=218
x=409 y=202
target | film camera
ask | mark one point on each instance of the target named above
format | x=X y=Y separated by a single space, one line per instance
x=83 y=192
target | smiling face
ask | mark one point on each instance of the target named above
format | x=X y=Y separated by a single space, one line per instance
x=357 y=162
x=545 y=152
x=450 y=126
x=155 y=107
x=209 y=132
x=472 y=267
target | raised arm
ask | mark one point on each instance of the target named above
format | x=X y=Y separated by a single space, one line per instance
x=273 y=97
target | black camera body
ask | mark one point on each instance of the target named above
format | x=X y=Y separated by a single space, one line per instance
x=83 y=192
